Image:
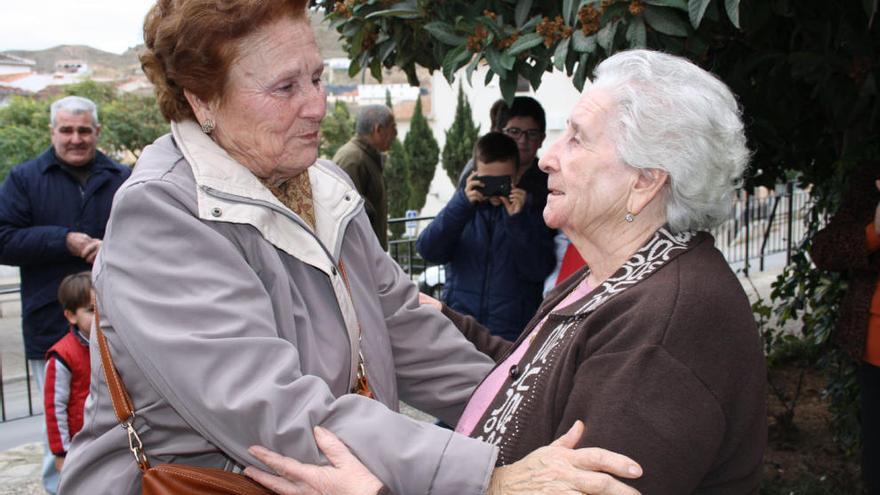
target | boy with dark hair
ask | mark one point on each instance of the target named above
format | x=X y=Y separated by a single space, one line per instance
x=496 y=248
x=67 y=366
x=526 y=123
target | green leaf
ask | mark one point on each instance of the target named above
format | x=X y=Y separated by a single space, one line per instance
x=508 y=87
x=524 y=43
x=495 y=62
x=445 y=33
x=385 y=49
x=582 y=43
x=568 y=11
x=732 y=8
x=489 y=74
x=455 y=58
x=561 y=53
x=676 y=4
x=580 y=75
x=605 y=36
x=532 y=24
x=522 y=12
x=696 y=11
x=402 y=11
x=376 y=69
x=469 y=72
x=665 y=21
x=353 y=68
x=635 y=33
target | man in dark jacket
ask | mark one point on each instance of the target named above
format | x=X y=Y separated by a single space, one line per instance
x=53 y=210
x=497 y=249
x=361 y=158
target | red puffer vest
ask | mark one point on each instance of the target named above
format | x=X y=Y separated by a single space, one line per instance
x=74 y=353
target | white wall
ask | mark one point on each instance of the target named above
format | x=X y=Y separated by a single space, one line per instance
x=556 y=94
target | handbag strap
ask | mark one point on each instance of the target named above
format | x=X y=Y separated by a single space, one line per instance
x=122 y=404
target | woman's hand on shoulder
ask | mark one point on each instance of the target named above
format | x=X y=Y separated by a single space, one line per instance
x=345 y=475
x=560 y=469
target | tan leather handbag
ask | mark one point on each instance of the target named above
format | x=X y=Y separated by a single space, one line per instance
x=166 y=478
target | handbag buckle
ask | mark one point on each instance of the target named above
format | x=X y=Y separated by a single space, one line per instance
x=135 y=445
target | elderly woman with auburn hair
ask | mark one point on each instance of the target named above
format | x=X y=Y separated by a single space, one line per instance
x=654 y=345
x=246 y=300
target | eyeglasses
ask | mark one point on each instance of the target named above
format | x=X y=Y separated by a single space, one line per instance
x=529 y=134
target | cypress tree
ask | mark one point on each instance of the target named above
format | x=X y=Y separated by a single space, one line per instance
x=423 y=154
x=460 y=139
x=336 y=129
x=397 y=183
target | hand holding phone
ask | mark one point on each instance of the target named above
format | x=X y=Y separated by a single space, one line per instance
x=495 y=185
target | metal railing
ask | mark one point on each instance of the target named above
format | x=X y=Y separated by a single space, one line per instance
x=758 y=227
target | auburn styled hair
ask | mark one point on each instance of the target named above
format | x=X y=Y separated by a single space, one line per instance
x=190 y=44
x=75 y=291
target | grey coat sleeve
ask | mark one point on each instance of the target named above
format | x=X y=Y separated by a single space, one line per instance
x=200 y=327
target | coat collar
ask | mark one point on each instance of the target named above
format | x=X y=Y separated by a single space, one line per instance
x=49 y=160
x=228 y=192
x=659 y=250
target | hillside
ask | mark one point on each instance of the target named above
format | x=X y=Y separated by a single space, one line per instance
x=106 y=64
x=98 y=60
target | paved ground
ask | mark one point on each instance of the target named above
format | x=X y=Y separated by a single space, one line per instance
x=20 y=447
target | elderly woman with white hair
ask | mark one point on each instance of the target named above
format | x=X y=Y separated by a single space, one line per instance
x=653 y=346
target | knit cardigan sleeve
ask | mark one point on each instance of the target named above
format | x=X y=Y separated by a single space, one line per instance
x=490 y=345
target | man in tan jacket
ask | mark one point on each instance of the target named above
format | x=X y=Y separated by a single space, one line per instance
x=361 y=159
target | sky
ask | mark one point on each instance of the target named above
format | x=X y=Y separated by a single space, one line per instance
x=109 y=25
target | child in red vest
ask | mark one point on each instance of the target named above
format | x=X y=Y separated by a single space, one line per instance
x=67 y=366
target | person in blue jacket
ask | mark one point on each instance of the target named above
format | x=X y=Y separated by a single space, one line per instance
x=53 y=210
x=496 y=248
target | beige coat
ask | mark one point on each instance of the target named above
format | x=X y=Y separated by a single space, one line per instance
x=230 y=325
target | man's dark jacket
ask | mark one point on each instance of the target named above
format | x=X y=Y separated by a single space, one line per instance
x=363 y=163
x=39 y=204
x=495 y=263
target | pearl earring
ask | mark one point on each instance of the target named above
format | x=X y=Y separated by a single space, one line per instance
x=208 y=126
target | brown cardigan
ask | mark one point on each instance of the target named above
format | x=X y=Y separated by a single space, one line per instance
x=663 y=363
x=840 y=247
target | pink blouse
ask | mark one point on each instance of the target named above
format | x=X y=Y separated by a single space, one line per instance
x=486 y=391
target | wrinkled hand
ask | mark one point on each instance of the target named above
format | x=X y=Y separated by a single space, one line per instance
x=515 y=202
x=426 y=300
x=344 y=476
x=472 y=189
x=877 y=211
x=557 y=469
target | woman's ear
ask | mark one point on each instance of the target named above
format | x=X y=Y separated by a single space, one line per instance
x=648 y=184
x=200 y=108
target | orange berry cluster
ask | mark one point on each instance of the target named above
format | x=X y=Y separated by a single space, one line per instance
x=342 y=9
x=636 y=7
x=589 y=17
x=475 y=42
x=490 y=14
x=506 y=42
x=553 y=30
